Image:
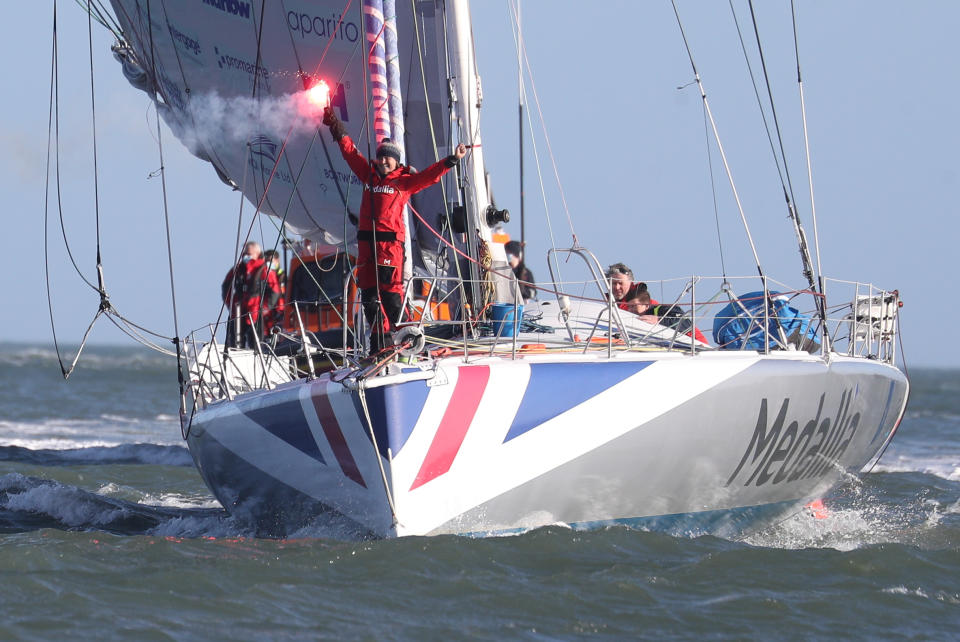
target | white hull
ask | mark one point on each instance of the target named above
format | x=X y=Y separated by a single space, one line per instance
x=719 y=442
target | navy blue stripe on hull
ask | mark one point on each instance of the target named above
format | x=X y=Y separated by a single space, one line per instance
x=286 y=421
x=394 y=411
x=271 y=507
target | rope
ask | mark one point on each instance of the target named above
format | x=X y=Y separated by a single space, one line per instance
x=54 y=116
x=46 y=196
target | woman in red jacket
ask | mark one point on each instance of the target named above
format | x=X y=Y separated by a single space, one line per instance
x=388 y=185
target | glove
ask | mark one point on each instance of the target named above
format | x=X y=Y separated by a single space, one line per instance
x=329 y=118
x=452 y=161
x=337 y=130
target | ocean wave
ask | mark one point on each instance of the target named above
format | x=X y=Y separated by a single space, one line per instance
x=150 y=454
x=940 y=596
x=166 y=500
x=28 y=503
x=866 y=512
x=93 y=357
x=945 y=467
x=106 y=430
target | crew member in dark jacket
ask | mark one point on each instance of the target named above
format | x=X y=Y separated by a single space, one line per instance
x=241 y=296
x=524 y=275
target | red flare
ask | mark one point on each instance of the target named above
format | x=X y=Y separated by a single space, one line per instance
x=319 y=94
x=818 y=510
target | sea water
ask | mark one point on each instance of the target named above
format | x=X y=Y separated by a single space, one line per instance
x=108 y=532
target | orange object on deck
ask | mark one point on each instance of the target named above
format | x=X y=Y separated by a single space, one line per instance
x=316 y=283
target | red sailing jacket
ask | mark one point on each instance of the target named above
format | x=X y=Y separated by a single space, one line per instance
x=384 y=197
x=246 y=289
x=265 y=281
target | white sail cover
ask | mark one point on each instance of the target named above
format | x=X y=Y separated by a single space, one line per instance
x=230 y=83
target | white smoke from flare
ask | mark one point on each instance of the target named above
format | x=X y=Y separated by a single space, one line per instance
x=239 y=119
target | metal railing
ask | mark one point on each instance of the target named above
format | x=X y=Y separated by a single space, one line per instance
x=581 y=316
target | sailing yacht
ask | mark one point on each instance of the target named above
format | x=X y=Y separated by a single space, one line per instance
x=488 y=415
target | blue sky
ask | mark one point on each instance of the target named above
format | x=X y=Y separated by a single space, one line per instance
x=629 y=145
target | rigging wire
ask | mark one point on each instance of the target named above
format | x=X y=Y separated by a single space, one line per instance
x=433 y=139
x=786 y=182
x=104 y=302
x=102 y=15
x=756 y=93
x=166 y=220
x=716 y=136
x=713 y=191
x=521 y=53
x=105 y=307
x=806 y=142
x=261 y=198
x=46 y=198
x=96 y=183
x=787 y=186
x=543 y=126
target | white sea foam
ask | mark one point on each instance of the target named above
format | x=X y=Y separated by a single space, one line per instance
x=63 y=503
x=903 y=590
x=943 y=466
x=860 y=520
x=108 y=430
x=843 y=530
x=206 y=526
x=174 y=500
x=940 y=596
x=164 y=500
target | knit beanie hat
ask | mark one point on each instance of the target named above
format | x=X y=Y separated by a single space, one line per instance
x=388 y=148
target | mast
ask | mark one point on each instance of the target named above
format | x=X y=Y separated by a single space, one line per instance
x=397 y=129
x=466 y=98
x=523 y=238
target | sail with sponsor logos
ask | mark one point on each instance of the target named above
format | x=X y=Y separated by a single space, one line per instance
x=235 y=87
x=491 y=414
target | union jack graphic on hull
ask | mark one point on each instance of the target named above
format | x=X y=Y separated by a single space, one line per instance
x=500 y=445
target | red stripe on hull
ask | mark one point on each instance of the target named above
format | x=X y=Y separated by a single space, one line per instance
x=471 y=383
x=331 y=428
